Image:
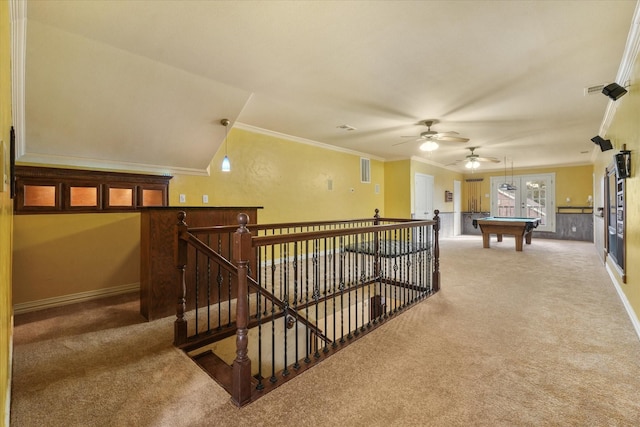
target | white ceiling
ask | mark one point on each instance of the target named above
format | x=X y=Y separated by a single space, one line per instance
x=143 y=85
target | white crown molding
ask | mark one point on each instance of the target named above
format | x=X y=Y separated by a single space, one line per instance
x=65 y=161
x=250 y=128
x=631 y=51
x=18 y=17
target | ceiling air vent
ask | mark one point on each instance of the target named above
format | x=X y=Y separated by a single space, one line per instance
x=591 y=90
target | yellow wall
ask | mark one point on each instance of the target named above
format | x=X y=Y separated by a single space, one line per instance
x=75 y=253
x=575 y=182
x=288 y=179
x=625 y=129
x=6 y=216
x=397 y=177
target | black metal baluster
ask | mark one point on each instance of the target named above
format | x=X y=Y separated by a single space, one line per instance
x=350 y=264
x=284 y=289
x=357 y=268
x=208 y=286
x=307 y=359
x=405 y=266
x=334 y=344
x=343 y=254
x=395 y=275
x=316 y=289
x=229 y=281
x=296 y=365
x=273 y=378
x=370 y=275
x=363 y=259
x=219 y=280
x=197 y=284
x=327 y=261
x=260 y=385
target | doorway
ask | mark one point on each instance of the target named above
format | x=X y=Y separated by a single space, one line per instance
x=457 y=202
x=527 y=196
x=423 y=196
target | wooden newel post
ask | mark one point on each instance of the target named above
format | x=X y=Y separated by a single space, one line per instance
x=241 y=371
x=180 y=325
x=436 y=252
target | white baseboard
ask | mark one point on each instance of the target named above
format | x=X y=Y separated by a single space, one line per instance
x=74 y=298
x=627 y=305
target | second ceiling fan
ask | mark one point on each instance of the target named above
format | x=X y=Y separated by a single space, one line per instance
x=472 y=161
x=430 y=138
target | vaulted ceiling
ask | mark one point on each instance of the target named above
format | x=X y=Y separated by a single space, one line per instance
x=143 y=85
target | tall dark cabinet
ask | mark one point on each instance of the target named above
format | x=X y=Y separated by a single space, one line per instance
x=616 y=220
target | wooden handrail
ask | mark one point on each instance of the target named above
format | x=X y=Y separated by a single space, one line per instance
x=311 y=235
x=279 y=226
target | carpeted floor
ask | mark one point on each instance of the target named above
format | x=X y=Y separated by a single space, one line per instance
x=528 y=338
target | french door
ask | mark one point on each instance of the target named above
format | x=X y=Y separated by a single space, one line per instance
x=525 y=196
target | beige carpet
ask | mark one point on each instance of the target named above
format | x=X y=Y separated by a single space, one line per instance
x=529 y=338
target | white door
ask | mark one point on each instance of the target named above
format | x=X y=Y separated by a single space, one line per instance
x=457 y=202
x=423 y=197
x=532 y=197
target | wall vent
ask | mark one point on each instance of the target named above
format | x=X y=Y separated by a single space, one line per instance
x=365 y=170
x=591 y=90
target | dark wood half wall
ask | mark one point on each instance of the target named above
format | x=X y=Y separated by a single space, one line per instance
x=43 y=190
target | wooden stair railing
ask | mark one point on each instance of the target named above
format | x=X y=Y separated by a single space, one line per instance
x=240 y=383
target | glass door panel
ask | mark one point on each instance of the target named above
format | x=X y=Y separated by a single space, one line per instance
x=528 y=196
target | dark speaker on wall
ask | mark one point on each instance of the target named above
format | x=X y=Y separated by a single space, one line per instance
x=614 y=91
x=623 y=164
x=604 y=144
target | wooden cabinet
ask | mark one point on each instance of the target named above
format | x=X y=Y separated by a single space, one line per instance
x=159 y=277
x=41 y=190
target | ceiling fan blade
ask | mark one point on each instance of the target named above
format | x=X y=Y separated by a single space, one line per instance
x=487 y=159
x=404 y=142
x=447 y=133
x=451 y=138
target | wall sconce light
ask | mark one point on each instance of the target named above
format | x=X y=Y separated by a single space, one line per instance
x=604 y=144
x=614 y=91
x=226 y=164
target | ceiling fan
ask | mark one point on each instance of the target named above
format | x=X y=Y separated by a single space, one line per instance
x=430 y=137
x=472 y=161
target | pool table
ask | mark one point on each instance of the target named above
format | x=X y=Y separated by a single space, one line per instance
x=521 y=228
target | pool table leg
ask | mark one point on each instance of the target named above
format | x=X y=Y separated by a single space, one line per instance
x=499 y=237
x=528 y=237
x=485 y=240
x=519 y=239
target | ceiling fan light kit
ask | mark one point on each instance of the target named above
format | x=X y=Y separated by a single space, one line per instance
x=430 y=138
x=472 y=164
x=472 y=161
x=429 y=146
